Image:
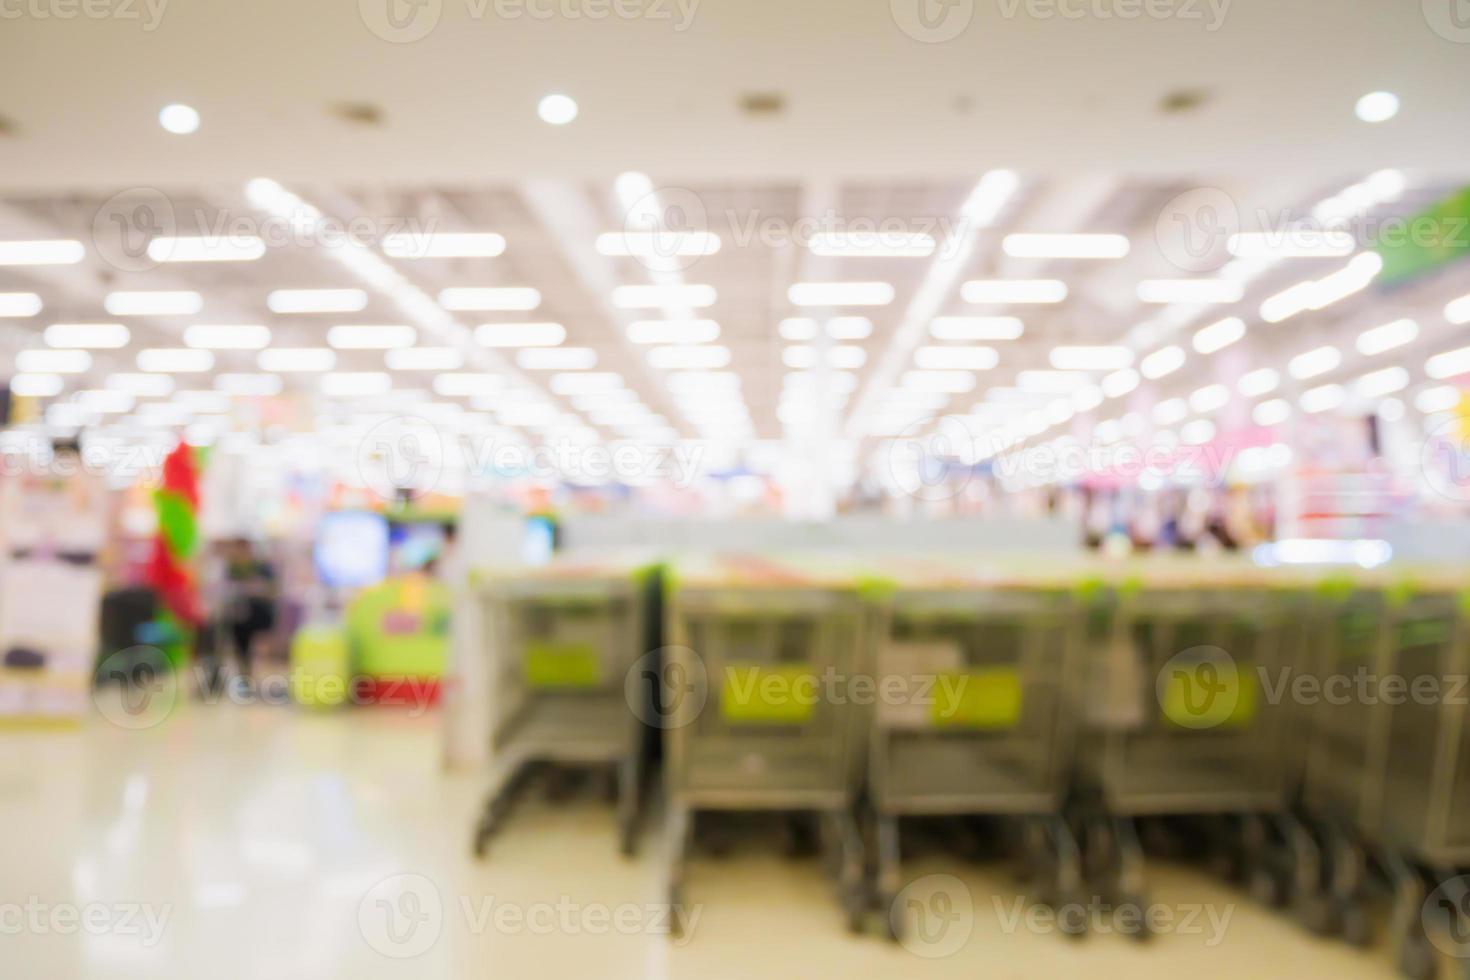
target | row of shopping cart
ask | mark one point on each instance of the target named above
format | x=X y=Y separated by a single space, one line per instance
x=1314 y=723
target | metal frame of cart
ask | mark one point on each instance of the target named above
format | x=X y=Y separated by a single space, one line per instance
x=749 y=725
x=564 y=641
x=1388 y=774
x=997 y=738
x=1177 y=723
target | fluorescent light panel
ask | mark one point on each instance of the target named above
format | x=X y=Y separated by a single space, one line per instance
x=243 y=248
x=89 y=336
x=1000 y=291
x=317 y=301
x=227 y=336
x=840 y=294
x=19 y=304
x=178 y=302
x=1065 y=246
x=444 y=245
x=490 y=298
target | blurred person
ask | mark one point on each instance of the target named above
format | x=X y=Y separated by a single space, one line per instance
x=246 y=609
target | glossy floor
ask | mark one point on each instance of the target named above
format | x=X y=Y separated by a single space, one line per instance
x=266 y=842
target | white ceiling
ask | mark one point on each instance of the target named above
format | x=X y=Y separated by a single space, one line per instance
x=1052 y=95
x=877 y=126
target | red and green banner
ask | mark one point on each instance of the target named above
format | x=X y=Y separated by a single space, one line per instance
x=171 y=570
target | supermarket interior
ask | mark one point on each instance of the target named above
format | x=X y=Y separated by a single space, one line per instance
x=710 y=488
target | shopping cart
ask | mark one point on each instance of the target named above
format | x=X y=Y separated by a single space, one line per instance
x=757 y=712
x=1388 y=773
x=973 y=665
x=563 y=641
x=1176 y=719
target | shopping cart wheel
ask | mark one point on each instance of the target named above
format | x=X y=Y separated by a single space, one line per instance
x=1137 y=905
x=855 y=906
x=1318 y=915
x=1357 y=926
x=1268 y=888
x=892 y=917
x=1417 y=959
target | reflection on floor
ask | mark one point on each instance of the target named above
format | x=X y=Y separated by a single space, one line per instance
x=266 y=842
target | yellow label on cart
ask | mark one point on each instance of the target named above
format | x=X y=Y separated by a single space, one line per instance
x=989 y=698
x=562 y=665
x=1208 y=694
x=754 y=693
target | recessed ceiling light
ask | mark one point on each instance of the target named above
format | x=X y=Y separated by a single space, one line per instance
x=558 y=110
x=179 y=119
x=249 y=385
x=1377 y=107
